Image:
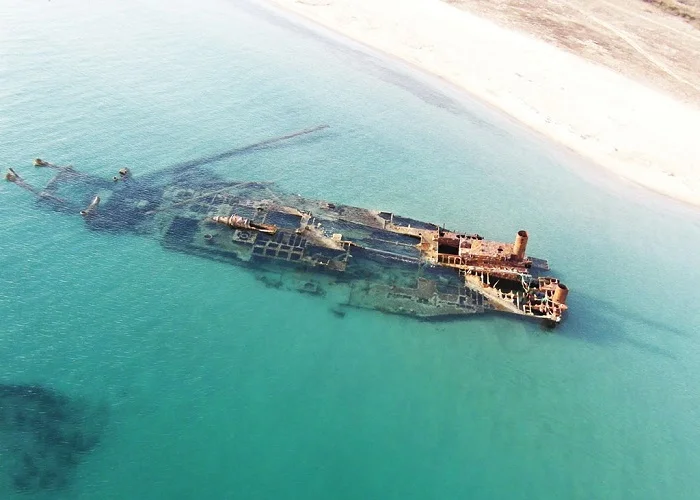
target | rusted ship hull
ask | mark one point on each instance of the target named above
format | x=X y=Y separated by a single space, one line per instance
x=358 y=258
x=367 y=259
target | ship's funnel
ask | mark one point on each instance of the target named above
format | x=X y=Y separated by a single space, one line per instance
x=560 y=293
x=520 y=245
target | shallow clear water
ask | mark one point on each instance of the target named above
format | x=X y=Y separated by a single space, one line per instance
x=218 y=387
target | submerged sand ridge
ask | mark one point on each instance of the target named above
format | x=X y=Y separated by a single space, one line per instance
x=636 y=130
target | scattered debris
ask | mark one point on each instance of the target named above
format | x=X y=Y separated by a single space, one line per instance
x=91 y=207
x=124 y=174
x=338 y=312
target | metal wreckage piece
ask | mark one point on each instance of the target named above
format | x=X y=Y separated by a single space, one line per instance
x=360 y=258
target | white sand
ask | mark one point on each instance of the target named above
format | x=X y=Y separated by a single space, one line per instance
x=639 y=133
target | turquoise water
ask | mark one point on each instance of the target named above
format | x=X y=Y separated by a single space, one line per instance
x=218 y=387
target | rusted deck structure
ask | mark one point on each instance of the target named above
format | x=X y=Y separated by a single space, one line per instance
x=357 y=257
x=390 y=263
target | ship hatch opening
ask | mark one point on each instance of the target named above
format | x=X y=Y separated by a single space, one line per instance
x=448 y=249
x=449 y=246
x=507 y=286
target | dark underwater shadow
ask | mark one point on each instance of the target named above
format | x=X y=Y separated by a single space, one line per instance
x=46 y=435
x=625 y=314
x=590 y=319
x=304 y=137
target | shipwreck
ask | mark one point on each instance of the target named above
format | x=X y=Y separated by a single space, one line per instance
x=359 y=258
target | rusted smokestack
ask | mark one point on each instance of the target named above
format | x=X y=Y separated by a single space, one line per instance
x=560 y=293
x=520 y=245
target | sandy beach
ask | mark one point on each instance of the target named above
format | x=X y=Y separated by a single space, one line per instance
x=639 y=119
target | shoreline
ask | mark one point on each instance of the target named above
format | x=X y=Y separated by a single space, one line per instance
x=630 y=130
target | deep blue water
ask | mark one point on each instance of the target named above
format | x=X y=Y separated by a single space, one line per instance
x=218 y=387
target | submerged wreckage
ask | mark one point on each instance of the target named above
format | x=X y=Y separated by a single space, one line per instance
x=362 y=258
